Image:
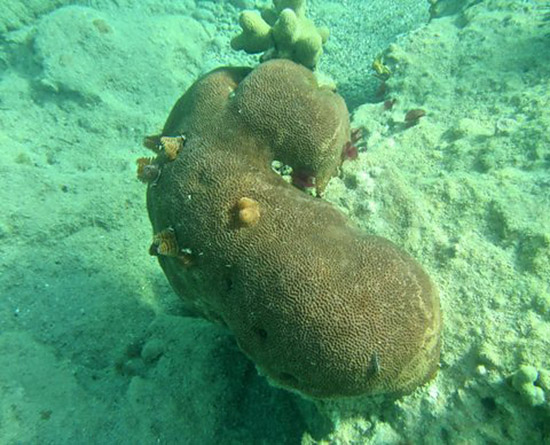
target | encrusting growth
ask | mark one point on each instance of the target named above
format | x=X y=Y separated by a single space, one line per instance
x=319 y=306
x=172 y=146
x=147 y=170
x=165 y=243
x=249 y=211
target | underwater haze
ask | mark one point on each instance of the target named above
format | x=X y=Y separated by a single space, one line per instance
x=452 y=100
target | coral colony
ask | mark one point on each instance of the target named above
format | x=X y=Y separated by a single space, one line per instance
x=320 y=307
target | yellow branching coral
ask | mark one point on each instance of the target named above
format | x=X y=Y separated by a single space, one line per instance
x=282 y=32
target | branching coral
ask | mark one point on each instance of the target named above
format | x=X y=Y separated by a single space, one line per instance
x=282 y=32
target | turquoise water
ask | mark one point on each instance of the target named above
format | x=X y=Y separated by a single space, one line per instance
x=95 y=347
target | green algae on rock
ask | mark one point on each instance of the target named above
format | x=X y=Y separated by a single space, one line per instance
x=319 y=306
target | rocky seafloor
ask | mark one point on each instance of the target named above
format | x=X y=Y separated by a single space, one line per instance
x=94 y=345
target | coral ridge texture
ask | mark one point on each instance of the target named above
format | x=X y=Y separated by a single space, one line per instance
x=321 y=307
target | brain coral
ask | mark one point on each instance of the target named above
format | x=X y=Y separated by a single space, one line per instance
x=319 y=306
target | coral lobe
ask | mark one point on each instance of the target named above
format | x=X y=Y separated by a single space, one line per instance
x=319 y=306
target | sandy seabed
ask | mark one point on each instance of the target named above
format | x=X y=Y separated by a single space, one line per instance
x=94 y=345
